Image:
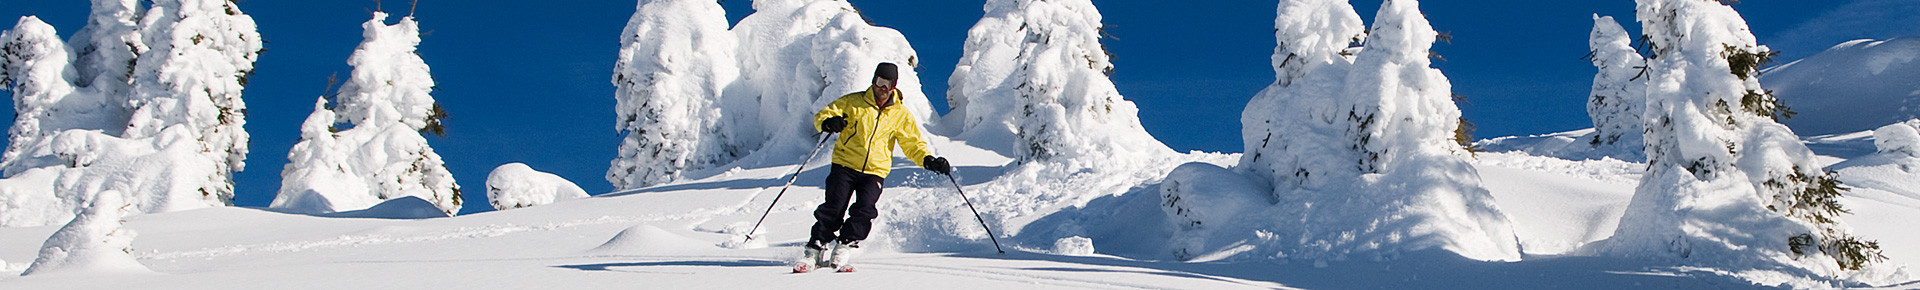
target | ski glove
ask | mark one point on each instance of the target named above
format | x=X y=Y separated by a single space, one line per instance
x=938 y=165
x=833 y=125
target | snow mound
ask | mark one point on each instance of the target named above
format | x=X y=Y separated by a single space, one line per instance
x=1073 y=246
x=1898 y=138
x=1851 y=87
x=405 y=207
x=1207 y=206
x=648 y=239
x=94 y=242
x=515 y=185
x=1894 y=169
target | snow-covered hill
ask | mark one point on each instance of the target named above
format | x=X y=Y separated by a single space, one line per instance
x=1854 y=86
x=669 y=237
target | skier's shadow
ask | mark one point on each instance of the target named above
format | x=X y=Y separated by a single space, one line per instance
x=614 y=267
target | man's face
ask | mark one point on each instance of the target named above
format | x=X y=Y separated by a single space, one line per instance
x=882 y=87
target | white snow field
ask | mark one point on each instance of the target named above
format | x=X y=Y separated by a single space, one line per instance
x=668 y=237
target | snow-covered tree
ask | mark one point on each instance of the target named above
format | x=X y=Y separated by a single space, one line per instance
x=1359 y=144
x=1287 y=130
x=798 y=55
x=676 y=61
x=201 y=53
x=1619 y=88
x=34 y=65
x=95 y=241
x=1053 y=101
x=105 y=50
x=1725 y=182
x=387 y=103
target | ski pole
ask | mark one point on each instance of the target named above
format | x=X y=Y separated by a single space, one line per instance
x=976 y=213
x=783 y=188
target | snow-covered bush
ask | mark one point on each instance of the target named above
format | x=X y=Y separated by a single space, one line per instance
x=1619 y=88
x=95 y=241
x=676 y=61
x=388 y=105
x=514 y=185
x=1726 y=184
x=1359 y=146
x=1898 y=138
x=1053 y=101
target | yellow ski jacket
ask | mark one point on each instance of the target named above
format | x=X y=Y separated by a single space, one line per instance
x=867 y=142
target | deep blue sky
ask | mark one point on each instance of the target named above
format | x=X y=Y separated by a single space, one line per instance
x=527 y=81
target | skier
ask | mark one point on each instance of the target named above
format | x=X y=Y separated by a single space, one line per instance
x=870 y=123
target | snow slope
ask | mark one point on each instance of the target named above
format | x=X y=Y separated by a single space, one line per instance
x=667 y=237
x=1854 y=86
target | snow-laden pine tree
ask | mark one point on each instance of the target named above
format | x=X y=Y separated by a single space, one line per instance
x=200 y=55
x=1053 y=101
x=1288 y=130
x=1726 y=183
x=1358 y=145
x=387 y=105
x=34 y=66
x=676 y=61
x=105 y=50
x=796 y=56
x=1401 y=120
x=1619 y=90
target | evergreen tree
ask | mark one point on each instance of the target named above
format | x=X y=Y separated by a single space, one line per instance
x=105 y=50
x=1054 y=98
x=1724 y=179
x=1619 y=88
x=673 y=68
x=201 y=53
x=1286 y=141
x=387 y=105
x=33 y=65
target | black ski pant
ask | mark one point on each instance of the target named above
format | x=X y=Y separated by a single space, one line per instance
x=844 y=184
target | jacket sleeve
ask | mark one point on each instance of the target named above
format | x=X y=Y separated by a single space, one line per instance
x=836 y=109
x=909 y=140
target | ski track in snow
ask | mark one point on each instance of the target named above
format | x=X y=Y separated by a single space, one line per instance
x=381 y=239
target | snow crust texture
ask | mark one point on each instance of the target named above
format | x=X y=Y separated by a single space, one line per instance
x=144 y=101
x=381 y=155
x=515 y=185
